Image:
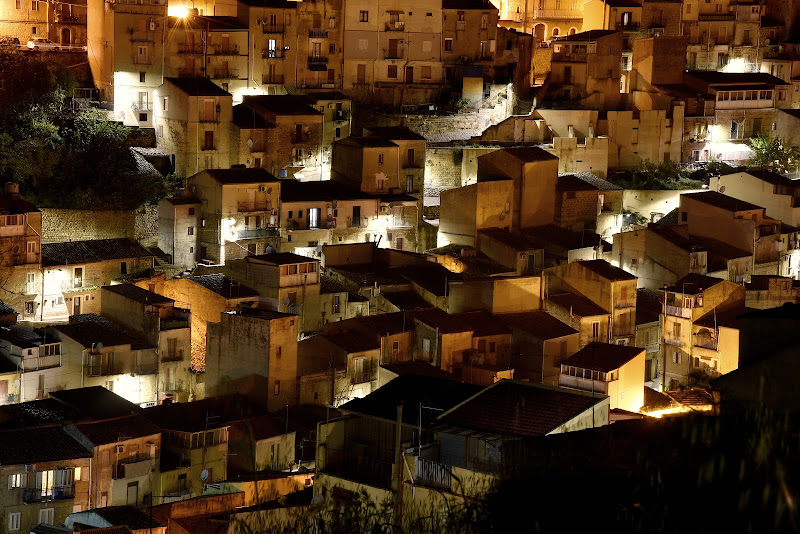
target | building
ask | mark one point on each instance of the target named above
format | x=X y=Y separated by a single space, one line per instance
x=238 y=214
x=649 y=310
x=64 y=24
x=779 y=195
x=21 y=264
x=176 y=216
x=613 y=370
x=264 y=368
x=192 y=117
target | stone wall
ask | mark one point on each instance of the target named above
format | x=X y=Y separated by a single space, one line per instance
x=443 y=168
x=78 y=225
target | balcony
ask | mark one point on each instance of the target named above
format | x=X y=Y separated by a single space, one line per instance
x=97 y=369
x=135 y=467
x=42 y=362
x=272 y=28
x=273 y=79
x=401 y=222
x=206 y=148
x=55 y=493
x=364 y=469
x=461 y=25
x=431 y=473
x=625 y=303
x=254 y=205
x=142 y=106
x=304 y=137
x=229 y=51
x=679 y=311
x=317 y=33
x=317 y=59
x=356 y=222
x=341 y=115
x=208 y=117
x=174 y=356
x=143 y=37
x=571 y=57
x=673 y=340
x=68 y=18
x=145 y=369
x=716 y=16
x=257 y=233
x=142 y=60
x=190 y=49
x=362 y=377
x=559 y=14
x=225 y=74
x=397 y=26
x=584 y=384
x=629 y=27
x=392 y=54
x=273 y=54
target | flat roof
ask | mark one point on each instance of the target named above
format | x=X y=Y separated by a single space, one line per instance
x=603 y=357
x=713 y=198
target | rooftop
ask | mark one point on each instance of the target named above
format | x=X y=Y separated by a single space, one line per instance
x=240 y=175
x=406 y=300
x=713 y=198
x=400 y=133
x=728 y=318
x=468 y=4
x=325 y=191
x=539 y=324
x=511 y=408
x=444 y=322
x=577 y=304
x=89 y=329
x=715 y=247
x=198 y=86
x=201 y=22
x=138 y=294
x=281 y=258
x=419 y=368
x=319 y=96
x=569 y=182
x=206 y=414
x=183 y=200
x=222 y=285
x=281 y=104
x=606 y=270
x=604 y=357
x=411 y=390
x=529 y=153
x=77 y=252
x=483 y=323
x=32 y=445
x=14 y=204
x=364 y=141
x=118 y=430
x=352 y=342
x=736 y=78
x=129 y=516
x=599 y=183
x=248 y=119
x=692 y=284
x=787 y=311
x=649 y=305
x=591 y=35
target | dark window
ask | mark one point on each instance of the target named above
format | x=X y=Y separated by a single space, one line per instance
x=142 y=77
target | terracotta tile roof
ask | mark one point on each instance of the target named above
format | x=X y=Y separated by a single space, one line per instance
x=715 y=247
x=43 y=412
x=406 y=300
x=129 y=516
x=13 y=206
x=529 y=153
x=281 y=104
x=443 y=321
x=577 y=304
x=419 y=368
x=32 y=445
x=282 y=258
x=77 y=252
x=603 y=357
x=352 y=342
x=483 y=323
x=206 y=414
x=726 y=318
x=138 y=294
x=5 y=309
x=412 y=390
x=591 y=35
x=224 y=286
x=22 y=336
x=606 y=270
x=539 y=324
x=570 y=182
x=95 y=402
x=510 y=408
x=182 y=200
x=370 y=142
x=88 y=329
x=692 y=397
x=692 y=284
x=119 y=429
x=655 y=400
x=399 y=133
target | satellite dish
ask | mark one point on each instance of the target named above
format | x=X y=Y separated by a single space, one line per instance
x=722 y=189
x=249 y=143
x=204 y=475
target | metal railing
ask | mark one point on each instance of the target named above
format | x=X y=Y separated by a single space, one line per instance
x=431 y=473
x=317 y=32
x=584 y=384
x=317 y=59
x=356 y=222
x=364 y=469
x=273 y=54
x=304 y=137
x=42 y=362
x=398 y=26
x=142 y=106
x=189 y=49
x=146 y=36
x=254 y=205
x=54 y=493
x=174 y=356
x=258 y=232
x=679 y=311
x=272 y=28
x=132 y=467
x=273 y=79
x=229 y=51
x=362 y=377
x=341 y=115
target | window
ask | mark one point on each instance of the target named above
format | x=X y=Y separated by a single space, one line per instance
x=165 y=102
x=30 y=306
x=46 y=516
x=676 y=357
x=299 y=214
x=426 y=72
x=684 y=216
x=363 y=44
x=427 y=46
x=123 y=267
x=391 y=71
x=448 y=45
x=596 y=330
x=34 y=5
x=30 y=282
x=14 y=521
x=336 y=303
x=34 y=30
x=676 y=329
x=484 y=21
x=15 y=480
x=191 y=230
x=18 y=4
x=380 y=159
x=492 y=347
x=277 y=387
x=363 y=16
x=278 y=352
x=191 y=211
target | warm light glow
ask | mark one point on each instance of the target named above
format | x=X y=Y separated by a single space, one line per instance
x=738 y=64
x=178 y=11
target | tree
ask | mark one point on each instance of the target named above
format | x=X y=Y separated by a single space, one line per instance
x=651 y=176
x=773 y=154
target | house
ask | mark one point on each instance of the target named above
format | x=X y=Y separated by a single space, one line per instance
x=75 y=271
x=103 y=353
x=610 y=288
x=48 y=473
x=337 y=110
x=191 y=116
x=178 y=220
x=34 y=363
x=613 y=370
x=581 y=314
x=164 y=325
x=20 y=266
x=127 y=516
x=539 y=344
x=209 y=295
x=466 y=210
x=125 y=456
x=649 y=307
x=690 y=299
x=279 y=133
x=411 y=151
x=239 y=212
x=394 y=333
x=779 y=195
x=253 y=352
x=765 y=291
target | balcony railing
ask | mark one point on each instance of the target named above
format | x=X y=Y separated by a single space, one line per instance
x=341 y=116
x=104 y=370
x=560 y=14
x=255 y=205
x=362 y=377
x=67 y=18
x=142 y=106
x=175 y=356
x=42 y=362
x=273 y=28
x=273 y=54
x=317 y=59
x=304 y=137
x=401 y=222
x=629 y=27
x=364 y=469
x=55 y=493
x=398 y=26
x=671 y=339
x=226 y=74
x=274 y=79
x=317 y=33
x=257 y=233
x=679 y=311
x=625 y=303
x=229 y=51
x=392 y=54
x=356 y=222
x=716 y=16
x=431 y=473
x=584 y=384
x=147 y=36
x=145 y=368
x=189 y=49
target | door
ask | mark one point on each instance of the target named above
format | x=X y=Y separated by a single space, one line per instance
x=142 y=57
x=361 y=74
x=226 y=43
x=410 y=162
x=313 y=217
x=391 y=53
x=316 y=49
x=78 y=279
x=356 y=221
x=272 y=48
x=66 y=38
x=31 y=250
x=400 y=242
x=76 y=306
x=409 y=74
x=133 y=493
x=208 y=110
x=208 y=141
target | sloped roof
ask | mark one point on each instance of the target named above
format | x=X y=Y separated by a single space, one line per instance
x=15 y=205
x=352 y=342
x=95 y=402
x=205 y=414
x=282 y=104
x=32 y=445
x=5 y=309
x=539 y=324
x=728 y=318
x=88 y=329
x=129 y=516
x=604 y=357
x=197 y=86
x=529 y=153
x=119 y=429
x=713 y=198
x=648 y=305
x=591 y=35
x=569 y=182
x=511 y=408
x=606 y=270
x=443 y=321
x=578 y=304
x=138 y=294
x=90 y=251
x=224 y=286
x=692 y=284
x=282 y=258
x=599 y=183
x=401 y=133
x=327 y=190
x=406 y=300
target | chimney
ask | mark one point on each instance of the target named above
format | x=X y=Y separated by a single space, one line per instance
x=12 y=190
